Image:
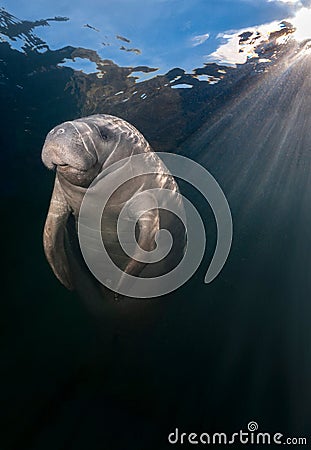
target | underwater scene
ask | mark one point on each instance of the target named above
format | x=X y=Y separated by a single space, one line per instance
x=220 y=356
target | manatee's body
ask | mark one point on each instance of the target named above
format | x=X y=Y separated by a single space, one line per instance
x=80 y=150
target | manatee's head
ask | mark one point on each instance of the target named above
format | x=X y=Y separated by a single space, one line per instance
x=81 y=148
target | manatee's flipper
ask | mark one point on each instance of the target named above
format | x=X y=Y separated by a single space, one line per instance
x=147 y=226
x=55 y=236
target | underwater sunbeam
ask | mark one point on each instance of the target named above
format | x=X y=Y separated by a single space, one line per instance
x=258 y=146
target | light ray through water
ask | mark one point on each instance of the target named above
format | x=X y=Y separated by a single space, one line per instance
x=258 y=148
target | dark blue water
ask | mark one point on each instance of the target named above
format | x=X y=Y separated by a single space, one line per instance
x=207 y=357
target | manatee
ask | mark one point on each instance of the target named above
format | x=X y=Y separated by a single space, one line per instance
x=79 y=151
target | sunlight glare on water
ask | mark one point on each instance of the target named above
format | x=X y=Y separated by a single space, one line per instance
x=302 y=22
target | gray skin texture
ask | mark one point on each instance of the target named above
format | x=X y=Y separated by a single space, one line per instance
x=79 y=150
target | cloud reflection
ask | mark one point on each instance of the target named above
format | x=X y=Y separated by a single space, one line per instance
x=200 y=39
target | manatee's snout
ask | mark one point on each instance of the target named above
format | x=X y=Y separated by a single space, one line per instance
x=65 y=146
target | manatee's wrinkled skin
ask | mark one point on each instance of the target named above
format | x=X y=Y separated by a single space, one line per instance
x=79 y=150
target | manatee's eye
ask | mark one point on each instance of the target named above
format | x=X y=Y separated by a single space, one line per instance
x=103 y=135
x=61 y=131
